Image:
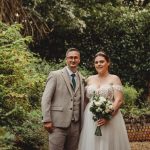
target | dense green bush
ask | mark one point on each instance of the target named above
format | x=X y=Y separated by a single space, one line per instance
x=21 y=85
x=130 y=109
x=6 y=139
x=31 y=134
x=18 y=75
x=123 y=32
x=22 y=79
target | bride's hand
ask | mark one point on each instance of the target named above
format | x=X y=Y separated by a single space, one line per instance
x=102 y=122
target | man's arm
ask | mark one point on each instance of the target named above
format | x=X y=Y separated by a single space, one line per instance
x=47 y=98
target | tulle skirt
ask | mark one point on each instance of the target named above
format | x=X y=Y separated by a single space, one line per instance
x=114 y=134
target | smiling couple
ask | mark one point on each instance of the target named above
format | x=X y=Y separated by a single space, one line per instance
x=66 y=107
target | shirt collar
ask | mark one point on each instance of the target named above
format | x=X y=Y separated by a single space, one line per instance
x=70 y=72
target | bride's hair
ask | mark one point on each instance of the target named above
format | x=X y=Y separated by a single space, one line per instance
x=103 y=54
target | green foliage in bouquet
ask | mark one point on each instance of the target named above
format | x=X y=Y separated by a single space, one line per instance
x=100 y=108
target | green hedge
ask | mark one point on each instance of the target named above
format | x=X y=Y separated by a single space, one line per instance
x=123 y=32
x=130 y=109
x=21 y=85
x=22 y=79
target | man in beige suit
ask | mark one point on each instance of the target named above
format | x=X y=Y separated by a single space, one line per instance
x=62 y=104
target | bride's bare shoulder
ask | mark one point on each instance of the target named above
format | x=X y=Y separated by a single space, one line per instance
x=115 y=79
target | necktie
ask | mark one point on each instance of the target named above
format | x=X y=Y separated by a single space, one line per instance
x=73 y=81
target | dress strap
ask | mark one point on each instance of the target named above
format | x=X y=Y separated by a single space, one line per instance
x=118 y=87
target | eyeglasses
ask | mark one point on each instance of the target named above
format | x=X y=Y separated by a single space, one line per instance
x=73 y=57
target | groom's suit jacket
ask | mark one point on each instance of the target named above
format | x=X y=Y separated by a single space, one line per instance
x=58 y=98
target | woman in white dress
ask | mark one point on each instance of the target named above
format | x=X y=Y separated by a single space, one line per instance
x=114 y=133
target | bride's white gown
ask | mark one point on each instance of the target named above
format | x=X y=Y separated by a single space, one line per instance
x=114 y=134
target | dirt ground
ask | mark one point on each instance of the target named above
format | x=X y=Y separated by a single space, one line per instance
x=140 y=145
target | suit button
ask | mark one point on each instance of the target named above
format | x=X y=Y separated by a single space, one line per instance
x=70 y=108
x=71 y=99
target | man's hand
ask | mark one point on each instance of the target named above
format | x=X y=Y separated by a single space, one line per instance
x=48 y=126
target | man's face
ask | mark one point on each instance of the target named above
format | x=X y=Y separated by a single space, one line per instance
x=73 y=59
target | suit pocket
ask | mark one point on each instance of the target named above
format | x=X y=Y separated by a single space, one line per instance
x=57 y=108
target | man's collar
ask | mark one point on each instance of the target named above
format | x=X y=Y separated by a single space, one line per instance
x=70 y=72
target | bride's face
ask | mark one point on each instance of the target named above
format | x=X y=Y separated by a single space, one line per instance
x=101 y=64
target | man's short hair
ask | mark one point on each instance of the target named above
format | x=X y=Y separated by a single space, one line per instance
x=72 y=49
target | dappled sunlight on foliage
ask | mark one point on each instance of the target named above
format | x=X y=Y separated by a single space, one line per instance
x=130 y=109
x=120 y=28
x=22 y=79
x=21 y=85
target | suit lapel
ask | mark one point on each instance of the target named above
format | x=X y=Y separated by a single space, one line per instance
x=67 y=80
x=82 y=86
x=79 y=82
x=82 y=96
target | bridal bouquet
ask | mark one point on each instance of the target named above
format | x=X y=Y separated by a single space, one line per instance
x=101 y=108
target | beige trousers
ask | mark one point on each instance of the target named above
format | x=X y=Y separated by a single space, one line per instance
x=65 y=138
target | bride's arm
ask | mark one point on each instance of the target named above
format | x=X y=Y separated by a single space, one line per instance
x=86 y=100
x=118 y=100
x=118 y=95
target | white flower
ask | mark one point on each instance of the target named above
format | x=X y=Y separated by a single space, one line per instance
x=111 y=107
x=97 y=103
x=102 y=99
x=107 y=110
x=103 y=112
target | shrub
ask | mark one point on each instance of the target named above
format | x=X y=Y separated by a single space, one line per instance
x=21 y=85
x=31 y=134
x=130 y=109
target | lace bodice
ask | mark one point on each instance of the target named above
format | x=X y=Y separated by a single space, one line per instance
x=106 y=90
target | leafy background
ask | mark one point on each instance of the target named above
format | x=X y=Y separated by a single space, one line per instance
x=34 y=36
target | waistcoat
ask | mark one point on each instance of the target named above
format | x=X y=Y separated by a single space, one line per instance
x=76 y=102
